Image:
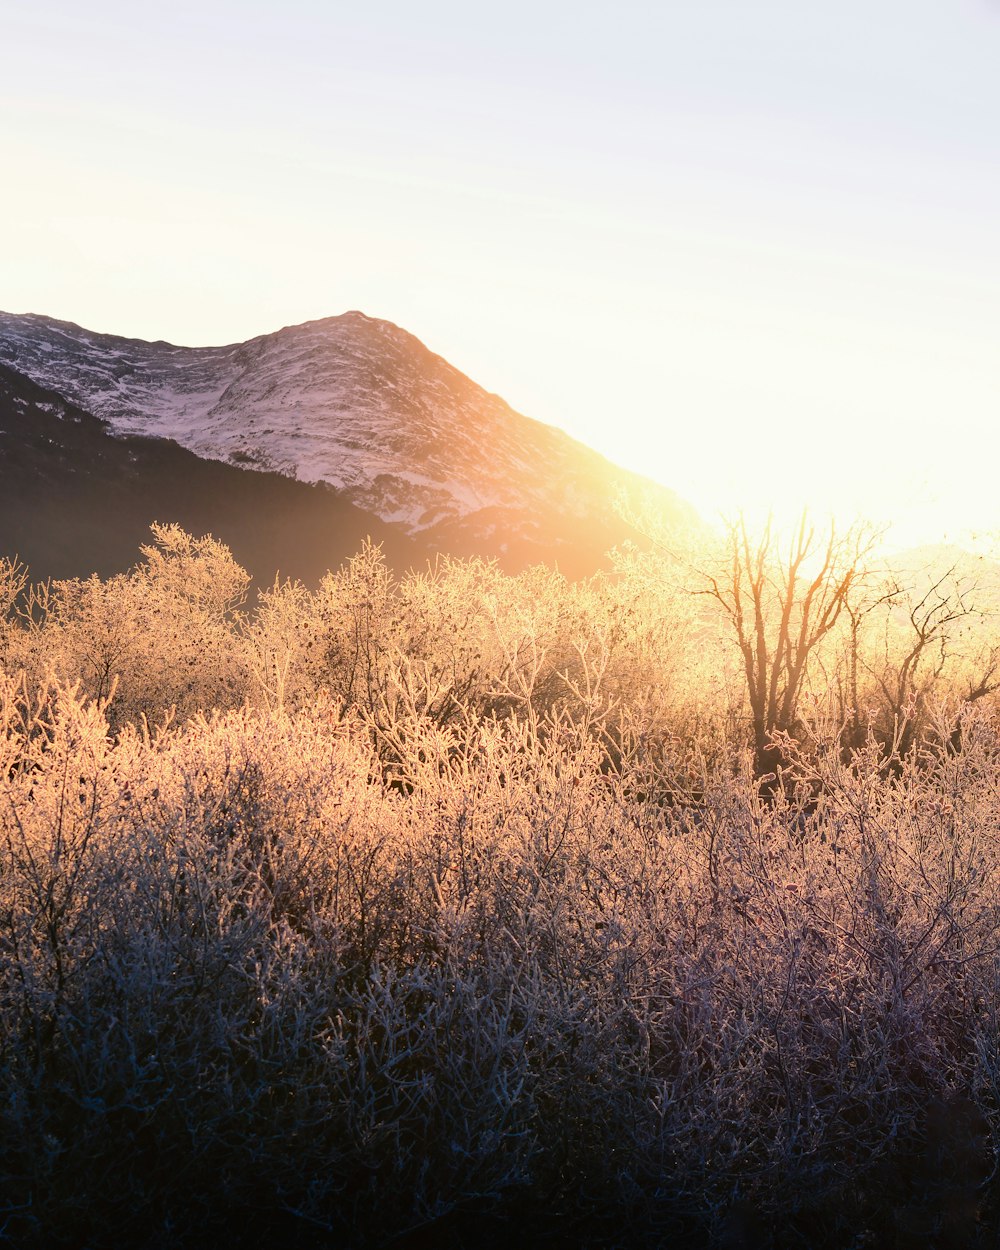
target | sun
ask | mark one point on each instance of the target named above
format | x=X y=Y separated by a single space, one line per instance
x=771 y=472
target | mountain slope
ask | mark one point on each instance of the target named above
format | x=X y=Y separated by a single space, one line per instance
x=74 y=499
x=361 y=405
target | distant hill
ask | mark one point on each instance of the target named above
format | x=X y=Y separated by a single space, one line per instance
x=364 y=407
x=74 y=499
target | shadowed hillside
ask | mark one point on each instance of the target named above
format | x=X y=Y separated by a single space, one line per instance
x=362 y=405
x=74 y=499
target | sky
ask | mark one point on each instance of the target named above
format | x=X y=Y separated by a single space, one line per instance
x=750 y=248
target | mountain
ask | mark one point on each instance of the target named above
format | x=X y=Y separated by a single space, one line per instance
x=75 y=499
x=363 y=406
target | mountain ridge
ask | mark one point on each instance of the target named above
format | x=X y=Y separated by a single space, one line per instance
x=76 y=499
x=352 y=400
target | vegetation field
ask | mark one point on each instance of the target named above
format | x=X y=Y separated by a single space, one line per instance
x=656 y=910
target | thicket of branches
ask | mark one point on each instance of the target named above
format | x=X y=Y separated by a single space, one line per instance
x=386 y=906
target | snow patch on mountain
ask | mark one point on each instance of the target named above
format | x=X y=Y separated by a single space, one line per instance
x=352 y=401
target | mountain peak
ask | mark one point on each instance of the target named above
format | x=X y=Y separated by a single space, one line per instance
x=352 y=401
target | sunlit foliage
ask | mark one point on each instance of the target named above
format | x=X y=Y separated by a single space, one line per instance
x=370 y=905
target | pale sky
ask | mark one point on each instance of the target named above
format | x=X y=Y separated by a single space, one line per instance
x=749 y=247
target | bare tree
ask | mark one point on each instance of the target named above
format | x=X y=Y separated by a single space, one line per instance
x=926 y=623
x=780 y=605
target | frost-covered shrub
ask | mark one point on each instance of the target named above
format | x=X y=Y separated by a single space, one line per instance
x=163 y=639
x=452 y=915
x=244 y=978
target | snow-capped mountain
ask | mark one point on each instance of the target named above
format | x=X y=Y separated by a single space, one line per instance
x=352 y=401
x=75 y=499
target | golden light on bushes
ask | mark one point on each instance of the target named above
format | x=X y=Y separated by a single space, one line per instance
x=451 y=881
